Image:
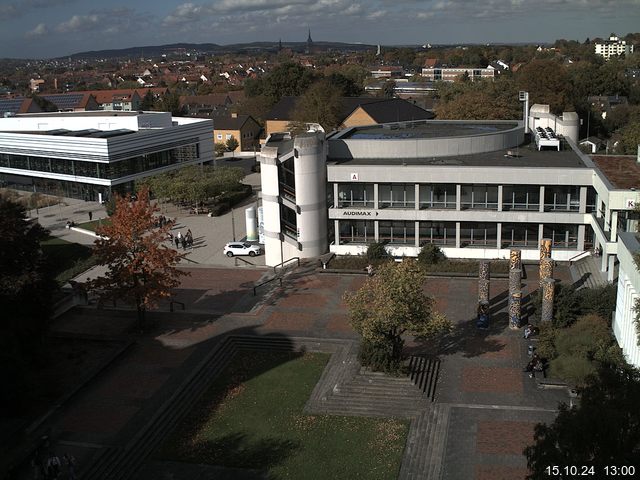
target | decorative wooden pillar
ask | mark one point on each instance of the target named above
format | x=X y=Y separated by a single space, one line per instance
x=484 y=278
x=515 y=260
x=546 y=269
x=515 y=301
x=548 y=290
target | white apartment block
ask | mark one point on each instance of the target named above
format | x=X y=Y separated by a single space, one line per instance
x=613 y=48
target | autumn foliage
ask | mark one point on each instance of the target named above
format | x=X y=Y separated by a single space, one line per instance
x=390 y=304
x=141 y=269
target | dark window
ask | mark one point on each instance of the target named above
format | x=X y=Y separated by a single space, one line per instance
x=439 y=233
x=396 y=195
x=478 y=234
x=440 y=195
x=562 y=235
x=520 y=235
x=479 y=197
x=356 y=231
x=397 y=232
x=355 y=195
x=521 y=197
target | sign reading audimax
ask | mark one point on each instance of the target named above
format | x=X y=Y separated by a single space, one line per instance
x=359 y=213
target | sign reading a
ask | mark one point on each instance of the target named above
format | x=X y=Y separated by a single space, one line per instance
x=354 y=177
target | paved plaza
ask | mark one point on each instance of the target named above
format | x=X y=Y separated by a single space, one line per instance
x=492 y=406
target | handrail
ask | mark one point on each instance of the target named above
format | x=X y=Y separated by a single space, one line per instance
x=286 y=261
x=572 y=259
x=265 y=282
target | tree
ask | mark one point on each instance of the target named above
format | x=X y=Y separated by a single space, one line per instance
x=170 y=102
x=140 y=268
x=232 y=144
x=322 y=104
x=604 y=429
x=390 y=304
x=148 y=101
x=220 y=148
x=547 y=83
x=26 y=289
x=388 y=89
x=287 y=79
x=430 y=254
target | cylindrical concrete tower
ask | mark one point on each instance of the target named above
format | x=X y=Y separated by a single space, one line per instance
x=310 y=163
x=270 y=204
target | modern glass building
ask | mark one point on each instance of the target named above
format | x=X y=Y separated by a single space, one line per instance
x=89 y=155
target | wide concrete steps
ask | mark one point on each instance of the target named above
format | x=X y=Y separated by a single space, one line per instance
x=586 y=272
x=426 y=443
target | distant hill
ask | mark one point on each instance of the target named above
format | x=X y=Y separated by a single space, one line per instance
x=211 y=48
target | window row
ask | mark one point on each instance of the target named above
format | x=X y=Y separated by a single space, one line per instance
x=114 y=170
x=474 y=197
x=472 y=234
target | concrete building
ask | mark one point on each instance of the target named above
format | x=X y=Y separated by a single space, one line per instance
x=475 y=188
x=241 y=127
x=624 y=324
x=89 y=155
x=450 y=74
x=613 y=48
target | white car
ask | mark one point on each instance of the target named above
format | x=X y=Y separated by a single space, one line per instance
x=239 y=248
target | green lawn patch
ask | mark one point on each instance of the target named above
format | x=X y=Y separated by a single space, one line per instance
x=67 y=259
x=94 y=224
x=252 y=418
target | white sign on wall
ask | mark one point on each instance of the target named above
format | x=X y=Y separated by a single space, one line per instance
x=354 y=177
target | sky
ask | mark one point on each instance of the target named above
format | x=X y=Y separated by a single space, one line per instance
x=57 y=28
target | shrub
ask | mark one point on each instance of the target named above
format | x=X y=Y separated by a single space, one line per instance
x=579 y=350
x=430 y=254
x=110 y=206
x=220 y=148
x=377 y=251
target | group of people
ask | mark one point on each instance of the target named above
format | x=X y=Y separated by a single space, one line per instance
x=161 y=221
x=185 y=241
x=536 y=364
x=51 y=467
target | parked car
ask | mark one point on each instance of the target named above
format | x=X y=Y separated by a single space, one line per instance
x=239 y=248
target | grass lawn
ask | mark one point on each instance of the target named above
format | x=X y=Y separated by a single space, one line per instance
x=94 y=224
x=252 y=418
x=67 y=259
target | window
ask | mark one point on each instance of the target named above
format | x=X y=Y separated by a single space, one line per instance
x=520 y=235
x=288 y=222
x=355 y=195
x=562 y=198
x=286 y=177
x=478 y=234
x=228 y=136
x=356 y=231
x=396 y=195
x=398 y=232
x=521 y=197
x=438 y=233
x=562 y=235
x=219 y=136
x=591 y=200
x=440 y=195
x=479 y=197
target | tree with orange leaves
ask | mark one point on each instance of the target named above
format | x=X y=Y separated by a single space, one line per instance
x=140 y=268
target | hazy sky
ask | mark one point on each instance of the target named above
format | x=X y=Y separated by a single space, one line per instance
x=52 y=28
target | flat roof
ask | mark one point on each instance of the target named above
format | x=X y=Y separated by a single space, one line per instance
x=526 y=155
x=426 y=129
x=87 y=113
x=623 y=171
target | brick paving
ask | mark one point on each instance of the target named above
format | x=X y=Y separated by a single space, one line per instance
x=494 y=405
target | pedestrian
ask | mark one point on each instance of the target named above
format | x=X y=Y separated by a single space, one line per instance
x=90 y=215
x=183 y=240
x=177 y=240
x=189 y=238
x=528 y=330
x=53 y=467
x=70 y=461
x=370 y=270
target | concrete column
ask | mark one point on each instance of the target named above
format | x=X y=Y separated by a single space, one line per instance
x=458 y=196
x=611 y=271
x=336 y=200
x=515 y=303
x=548 y=290
x=541 y=209
x=603 y=261
x=581 y=234
x=458 y=233
x=417 y=235
x=417 y=196
x=499 y=236
x=614 y=225
x=598 y=214
x=336 y=232
x=540 y=232
x=375 y=231
x=375 y=200
x=499 y=198
x=607 y=219
x=583 y=200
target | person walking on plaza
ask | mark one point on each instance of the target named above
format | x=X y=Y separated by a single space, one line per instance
x=183 y=240
x=177 y=240
x=90 y=215
x=189 y=237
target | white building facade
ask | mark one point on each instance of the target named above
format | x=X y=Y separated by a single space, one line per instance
x=624 y=324
x=89 y=155
x=613 y=48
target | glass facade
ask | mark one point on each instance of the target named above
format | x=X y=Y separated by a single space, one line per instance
x=439 y=195
x=288 y=222
x=519 y=235
x=438 y=233
x=474 y=234
x=521 y=197
x=396 y=195
x=561 y=235
x=286 y=178
x=356 y=231
x=111 y=171
x=479 y=197
x=355 y=195
x=398 y=232
x=564 y=198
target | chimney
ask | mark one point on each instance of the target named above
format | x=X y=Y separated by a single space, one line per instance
x=55 y=84
x=638 y=158
x=234 y=115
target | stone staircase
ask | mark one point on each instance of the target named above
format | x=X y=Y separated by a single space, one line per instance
x=586 y=272
x=121 y=462
x=426 y=442
x=423 y=372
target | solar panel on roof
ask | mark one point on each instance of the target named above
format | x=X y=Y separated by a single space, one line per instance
x=82 y=133
x=11 y=105
x=111 y=133
x=65 y=101
x=57 y=131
